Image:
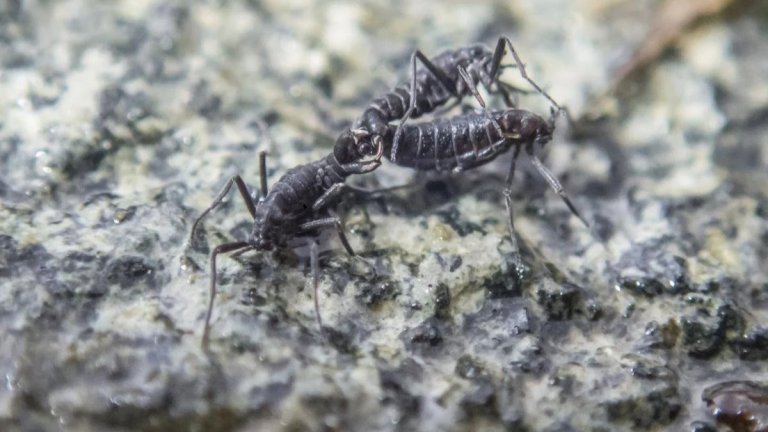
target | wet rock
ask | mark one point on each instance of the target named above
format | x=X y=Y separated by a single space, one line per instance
x=480 y=399
x=510 y=403
x=442 y=302
x=593 y=311
x=7 y=255
x=78 y=275
x=508 y=282
x=498 y=322
x=658 y=336
x=451 y=216
x=341 y=339
x=470 y=368
x=120 y=120
x=752 y=346
x=644 y=286
x=702 y=341
x=699 y=426
x=204 y=101
x=704 y=334
x=129 y=271
x=121 y=114
x=426 y=338
x=397 y=384
x=657 y=274
x=375 y=293
x=560 y=302
x=645 y=410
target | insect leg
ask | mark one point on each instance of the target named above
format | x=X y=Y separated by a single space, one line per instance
x=496 y=63
x=498 y=53
x=468 y=80
x=510 y=101
x=508 y=201
x=334 y=221
x=381 y=191
x=328 y=196
x=555 y=185
x=437 y=73
x=264 y=130
x=220 y=197
x=222 y=248
x=507 y=91
x=263 y=173
x=315 y=268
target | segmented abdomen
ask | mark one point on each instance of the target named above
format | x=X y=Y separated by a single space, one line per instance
x=291 y=198
x=461 y=142
x=431 y=93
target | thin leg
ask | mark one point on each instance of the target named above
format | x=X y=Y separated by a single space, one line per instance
x=315 y=268
x=496 y=62
x=264 y=130
x=509 y=101
x=222 y=248
x=512 y=167
x=334 y=221
x=340 y=231
x=472 y=88
x=411 y=107
x=332 y=192
x=507 y=91
x=508 y=202
x=263 y=173
x=498 y=53
x=437 y=73
x=220 y=197
x=376 y=192
x=555 y=185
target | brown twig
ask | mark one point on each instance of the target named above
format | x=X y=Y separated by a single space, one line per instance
x=672 y=19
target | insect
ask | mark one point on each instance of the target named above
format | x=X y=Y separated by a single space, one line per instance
x=298 y=203
x=468 y=141
x=441 y=81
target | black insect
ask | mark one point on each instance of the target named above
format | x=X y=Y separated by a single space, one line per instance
x=468 y=141
x=438 y=83
x=297 y=204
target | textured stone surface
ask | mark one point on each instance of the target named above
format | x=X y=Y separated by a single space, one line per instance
x=120 y=121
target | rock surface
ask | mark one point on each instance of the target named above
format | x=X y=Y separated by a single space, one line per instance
x=120 y=121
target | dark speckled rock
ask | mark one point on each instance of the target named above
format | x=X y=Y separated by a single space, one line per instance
x=120 y=121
